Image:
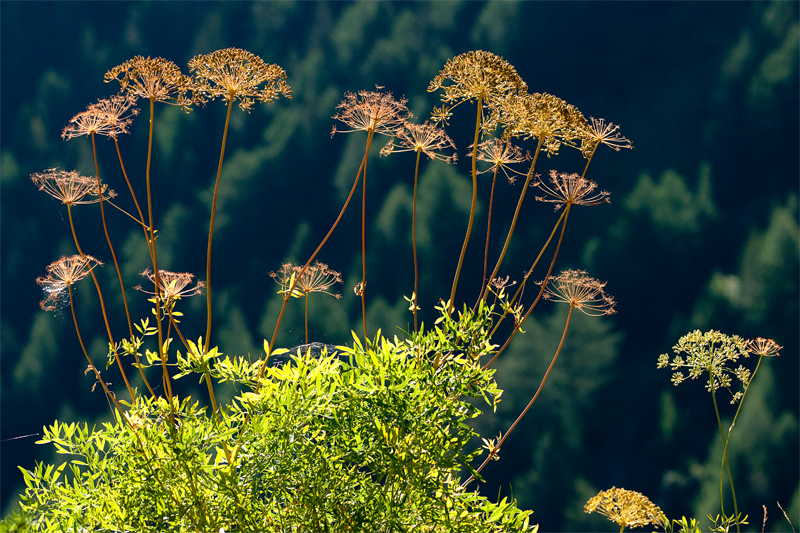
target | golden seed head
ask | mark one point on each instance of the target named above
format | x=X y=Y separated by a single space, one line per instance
x=473 y=75
x=372 y=111
x=570 y=189
x=627 y=508
x=763 y=347
x=106 y=117
x=172 y=285
x=426 y=138
x=316 y=278
x=236 y=74
x=597 y=132
x=60 y=275
x=70 y=187
x=544 y=117
x=581 y=292
x=156 y=79
x=500 y=154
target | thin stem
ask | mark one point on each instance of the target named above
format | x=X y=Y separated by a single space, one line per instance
x=496 y=449
x=474 y=201
x=141 y=221
x=364 y=249
x=151 y=243
x=306 y=317
x=725 y=461
x=488 y=229
x=209 y=384
x=108 y=239
x=541 y=290
x=102 y=303
x=516 y=212
x=211 y=226
x=414 y=240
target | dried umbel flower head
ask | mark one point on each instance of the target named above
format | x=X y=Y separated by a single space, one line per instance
x=544 y=117
x=763 y=347
x=597 y=132
x=172 y=285
x=316 y=278
x=236 y=74
x=60 y=275
x=500 y=154
x=581 y=292
x=70 y=187
x=426 y=138
x=709 y=352
x=474 y=75
x=106 y=117
x=568 y=189
x=372 y=111
x=627 y=508
x=156 y=79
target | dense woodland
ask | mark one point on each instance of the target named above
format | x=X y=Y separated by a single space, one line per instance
x=701 y=233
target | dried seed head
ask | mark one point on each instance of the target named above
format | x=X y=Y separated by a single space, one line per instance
x=235 y=74
x=544 y=117
x=581 y=292
x=316 y=278
x=106 y=117
x=570 y=189
x=500 y=154
x=156 y=79
x=70 y=187
x=474 y=75
x=597 y=132
x=627 y=508
x=60 y=275
x=763 y=347
x=372 y=111
x=425 y=138
x=172 y=285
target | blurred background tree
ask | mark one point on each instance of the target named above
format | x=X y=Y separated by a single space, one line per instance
x=702 y=231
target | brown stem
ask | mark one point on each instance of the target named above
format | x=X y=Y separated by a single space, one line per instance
x=510 y=429
x=474 y=202
x=310 y=259
x=488 y=229
x=414 y=241
x=516 y=212
x=211 y=226
x=306 y=317
x=364 y=249
x=102 y=303
x=151 y=243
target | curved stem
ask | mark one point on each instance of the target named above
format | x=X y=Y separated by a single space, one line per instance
x=113 y=345
x=364 y=248
x=527 y=407
x=474 y=202
x=538 y=296
x=725 y=462
x=310 y=259
x=211 y=226
x=516 y=212
x=488 y=229
x=414 y=240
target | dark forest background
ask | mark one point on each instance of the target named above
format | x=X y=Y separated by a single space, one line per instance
x=702 y=231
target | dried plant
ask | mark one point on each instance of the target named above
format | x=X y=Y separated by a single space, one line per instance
x=627 y=508
x=569 y=189
x=597 y=132
x=69 y=187
x=172 y=285
x=298 y=282
x=105 y=117
x=544 y=117
x=62 y=274
x=235 y=74
x=156 y=79
x=427 y=139
x=373 y=112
